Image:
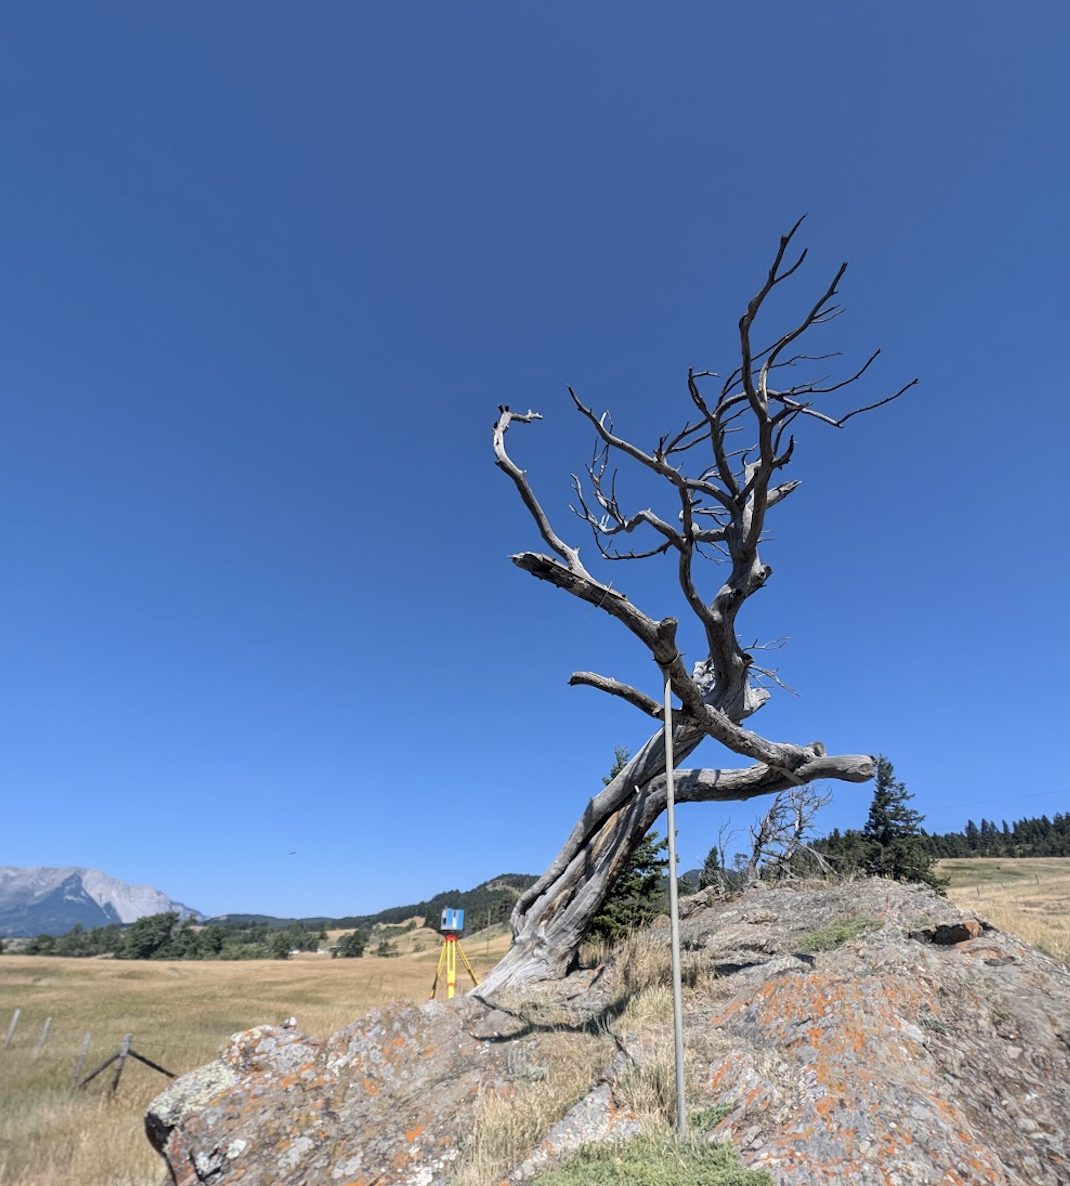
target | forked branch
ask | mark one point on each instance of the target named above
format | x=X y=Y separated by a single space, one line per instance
x=720 y=498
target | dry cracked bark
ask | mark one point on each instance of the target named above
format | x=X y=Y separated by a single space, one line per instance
x=722 y=473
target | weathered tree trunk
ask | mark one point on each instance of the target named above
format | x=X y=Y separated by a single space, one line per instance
x=551 y=918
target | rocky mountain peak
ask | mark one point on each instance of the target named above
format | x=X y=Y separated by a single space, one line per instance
x=41 y=899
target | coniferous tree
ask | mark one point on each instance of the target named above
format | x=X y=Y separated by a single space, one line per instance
x=635 y=898
x=895 y=844
x=711 y=875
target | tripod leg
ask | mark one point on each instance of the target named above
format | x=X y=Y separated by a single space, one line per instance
x=438 y=970
x=468 y=965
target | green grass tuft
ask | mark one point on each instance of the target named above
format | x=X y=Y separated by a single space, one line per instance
x=835 y=933
x=708 y=1118
x=655 y=1161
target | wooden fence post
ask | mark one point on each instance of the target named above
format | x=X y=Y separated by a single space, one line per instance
x=11 y=1028
x=44 y=1037
x=120 y=1062
x=119 y=1058
x=81 y=1059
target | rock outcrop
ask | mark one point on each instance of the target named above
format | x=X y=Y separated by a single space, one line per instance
x=865 y=1033
x=388 y=1099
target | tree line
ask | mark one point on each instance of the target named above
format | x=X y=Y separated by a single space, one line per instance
x=486 y=905
x=1035 y=836
x=167 y=937
x=235 y=937
x=782 y=847
x=1029 y=837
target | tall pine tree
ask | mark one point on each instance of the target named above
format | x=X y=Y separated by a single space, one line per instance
x=895 y=845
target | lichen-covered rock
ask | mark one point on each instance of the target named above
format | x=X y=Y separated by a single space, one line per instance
x=886 y=1061
x=387 y=1100
x=839 y=1039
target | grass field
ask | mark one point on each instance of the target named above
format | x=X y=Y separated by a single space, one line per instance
x=180 y=1015
x=1029 y=897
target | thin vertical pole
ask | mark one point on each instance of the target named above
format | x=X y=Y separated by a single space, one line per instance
x=44 y=1037
x=11 y=1028
x=81 y=1060
x=674 y=919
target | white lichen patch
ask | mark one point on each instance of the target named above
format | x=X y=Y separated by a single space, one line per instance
x=296 y=1150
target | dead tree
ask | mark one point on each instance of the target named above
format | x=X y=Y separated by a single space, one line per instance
x=723 y=472
x=780 y=836
x=719 y=878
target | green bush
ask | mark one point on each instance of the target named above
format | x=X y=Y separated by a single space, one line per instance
x=351 y=945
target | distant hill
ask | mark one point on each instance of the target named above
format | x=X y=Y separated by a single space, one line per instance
x=45 y=901
x=488 y=903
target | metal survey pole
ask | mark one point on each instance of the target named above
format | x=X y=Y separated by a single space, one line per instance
x=674 y=919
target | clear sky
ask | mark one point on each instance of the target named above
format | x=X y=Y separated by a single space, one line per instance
x=266 y=271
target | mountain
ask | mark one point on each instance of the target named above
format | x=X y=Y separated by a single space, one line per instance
x=41 y=900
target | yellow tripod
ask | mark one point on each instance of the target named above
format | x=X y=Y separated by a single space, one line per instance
x=451 y=948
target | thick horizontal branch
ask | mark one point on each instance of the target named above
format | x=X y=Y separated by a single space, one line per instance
x=706 y=786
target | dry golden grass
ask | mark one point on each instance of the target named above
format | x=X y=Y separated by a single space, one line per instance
x=562 y=1066
x=1029 y=897
x=549 y=1072
x=642 y=964
x=180 y=1015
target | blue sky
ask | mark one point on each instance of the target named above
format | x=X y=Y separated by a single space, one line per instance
x=267 y=271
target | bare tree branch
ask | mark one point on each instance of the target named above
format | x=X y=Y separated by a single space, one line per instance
x=879 y=404
x=605 y=683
